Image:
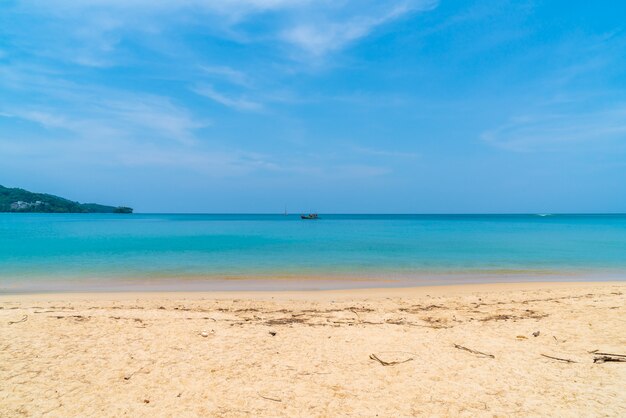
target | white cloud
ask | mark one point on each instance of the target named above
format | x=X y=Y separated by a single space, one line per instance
x=229 y=74
x=329 y=32
x=222 y=7
x=214 y=162
x=88 y=123
x=95 y=27
x=126 y=155
x=386 y=153
x=157 y=114
x=104 y=114
x=558 y=131
x=238 y=103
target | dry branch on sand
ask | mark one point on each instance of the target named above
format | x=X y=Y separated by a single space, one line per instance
x=566 y=360
x=480 y=353
x=607 y=357
x=610 y=358
x=24 y=319
x=270 y=398
x=388 y=363
x=606 y=354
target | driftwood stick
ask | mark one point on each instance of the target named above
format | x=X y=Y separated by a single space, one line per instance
x=128 y=376
x=388 y=363
x=357 y=314
x=479 y=353
x=604 y=359
x=269 y=398
x=24 y=319
x=606 y=354
x=560 y=359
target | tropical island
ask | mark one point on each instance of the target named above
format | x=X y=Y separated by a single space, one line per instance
x=20 y=200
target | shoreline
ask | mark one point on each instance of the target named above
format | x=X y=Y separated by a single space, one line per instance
x=293 y=283
x=384 y=291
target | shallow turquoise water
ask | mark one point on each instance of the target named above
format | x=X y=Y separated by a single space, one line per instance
x=92 y=251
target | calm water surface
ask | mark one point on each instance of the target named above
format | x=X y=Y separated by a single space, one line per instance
x=49 y=252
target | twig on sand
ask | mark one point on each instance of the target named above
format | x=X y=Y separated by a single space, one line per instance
x=606 y=354
x=269 y=398
x=480 y=353
x=356 y=313
x=604 y=359
x=311 y=373
x=128 y=376
x=566 y=360
x=24 y=319
x=388 y=363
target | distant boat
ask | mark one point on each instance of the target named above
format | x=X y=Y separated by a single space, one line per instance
x=309 y=216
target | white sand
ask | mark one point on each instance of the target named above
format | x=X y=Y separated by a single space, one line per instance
x=144 y=354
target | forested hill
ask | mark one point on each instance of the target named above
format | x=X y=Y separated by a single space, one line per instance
x=20 y=200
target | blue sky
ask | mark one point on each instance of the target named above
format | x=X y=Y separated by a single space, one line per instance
x=414 y=106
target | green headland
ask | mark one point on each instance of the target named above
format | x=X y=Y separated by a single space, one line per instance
x=20 y=200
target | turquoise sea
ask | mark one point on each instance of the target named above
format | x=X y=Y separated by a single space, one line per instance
x=79 y=252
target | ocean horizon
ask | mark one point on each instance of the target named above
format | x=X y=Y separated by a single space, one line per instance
x=186 y=252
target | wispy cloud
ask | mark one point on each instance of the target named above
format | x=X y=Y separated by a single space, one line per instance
x=238 y=103
x=386 y=153
x=98 y=35
x=313 y=27
x=332 y=32
x=95 y=112
x=213 y=162
x=569 y=106
x=558 y=131
x=94 y=127
x=129 y=156
x=227 y=73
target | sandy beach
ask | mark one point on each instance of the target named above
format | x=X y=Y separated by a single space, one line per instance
x=475 y=350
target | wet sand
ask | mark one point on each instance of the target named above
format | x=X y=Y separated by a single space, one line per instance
x=473 y=350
